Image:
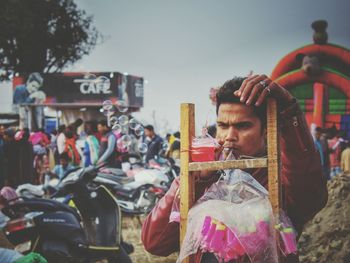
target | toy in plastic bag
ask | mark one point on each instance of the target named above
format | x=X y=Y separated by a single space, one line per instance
x=232 y=219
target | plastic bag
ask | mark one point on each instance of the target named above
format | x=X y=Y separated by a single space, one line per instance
x=233 y=218
x=203 y=148
x=287 y=234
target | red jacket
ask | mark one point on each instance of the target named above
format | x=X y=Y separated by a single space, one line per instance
x=303 y=185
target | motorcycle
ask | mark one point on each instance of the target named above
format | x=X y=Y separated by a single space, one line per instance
x=139 y=192
x=89 y=232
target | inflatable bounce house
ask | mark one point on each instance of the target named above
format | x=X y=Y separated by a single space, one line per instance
x=318 y=75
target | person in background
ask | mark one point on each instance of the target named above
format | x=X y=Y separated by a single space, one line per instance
x=70 y=147
x=153 y=141
x=60 y=169
x=335 y=145
x=345 y=159
x=174 y=147
x=169 y=138
x=61 y=139
x=2 y=157
x=25 y=158
x=11 y=157
x=322 y=149
x=107 y=153
x=91 y=146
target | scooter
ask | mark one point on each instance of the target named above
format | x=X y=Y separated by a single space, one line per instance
x=89 y=232
x=134 y=194
x=138 y=193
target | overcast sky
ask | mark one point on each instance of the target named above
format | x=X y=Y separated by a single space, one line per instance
x=184 y=47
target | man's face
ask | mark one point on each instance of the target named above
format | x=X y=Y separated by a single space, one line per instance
x=148 y=133
x=318 y=135
x=101 y=128
x=63 y=162
x=239 y=129
x=33 y=86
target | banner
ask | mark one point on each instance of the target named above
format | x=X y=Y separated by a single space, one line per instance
x=77 y=88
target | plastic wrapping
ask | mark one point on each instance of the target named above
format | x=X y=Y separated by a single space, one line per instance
x=203 y=148
x=233 y=218
x=287 y=234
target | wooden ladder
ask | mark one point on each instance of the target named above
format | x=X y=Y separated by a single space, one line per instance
x=187 y=186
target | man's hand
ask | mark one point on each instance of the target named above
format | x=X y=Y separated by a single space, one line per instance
x=39 y=96
x=255 y=89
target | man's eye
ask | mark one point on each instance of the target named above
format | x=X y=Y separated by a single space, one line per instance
x=222 y=125
x=244 y=125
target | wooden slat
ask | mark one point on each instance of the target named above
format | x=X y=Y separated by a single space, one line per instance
x=273 y=156
x=187 y=130
x=233 y=164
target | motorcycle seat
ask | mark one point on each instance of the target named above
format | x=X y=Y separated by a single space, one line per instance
x=113 y=171
x=39 y=204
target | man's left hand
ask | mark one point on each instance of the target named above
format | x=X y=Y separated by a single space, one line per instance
x=255 y=89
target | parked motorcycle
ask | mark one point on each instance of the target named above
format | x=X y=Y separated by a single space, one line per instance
x=139 y=192
x=61 y=233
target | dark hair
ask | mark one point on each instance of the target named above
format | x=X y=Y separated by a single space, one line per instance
x=26 y=135
x=212 y=130
x=103 y=123
x=177 y=134
x=225 y=95
x=90 y=128
x=149 y=127
x=69 y=132
x=61 y=128
x=35 y=76
x=64 y=156
x=77 y=123
x=319 y=129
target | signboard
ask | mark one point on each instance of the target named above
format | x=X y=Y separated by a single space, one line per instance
x=77 y=88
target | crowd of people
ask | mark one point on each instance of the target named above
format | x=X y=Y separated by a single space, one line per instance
x=30 y=156
x=334 y=150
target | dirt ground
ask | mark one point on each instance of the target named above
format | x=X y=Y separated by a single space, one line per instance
x=132 y=234
x=327 y=237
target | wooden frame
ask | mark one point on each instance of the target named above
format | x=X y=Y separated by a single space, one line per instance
x=187 y=187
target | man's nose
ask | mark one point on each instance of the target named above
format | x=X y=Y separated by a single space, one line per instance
x=232 y=134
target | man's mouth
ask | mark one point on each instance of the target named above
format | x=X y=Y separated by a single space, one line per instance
x=231 y=152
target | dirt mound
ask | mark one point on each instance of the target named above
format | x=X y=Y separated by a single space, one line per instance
x=327 y=237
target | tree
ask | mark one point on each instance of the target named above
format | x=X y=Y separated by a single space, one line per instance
x=43 y=35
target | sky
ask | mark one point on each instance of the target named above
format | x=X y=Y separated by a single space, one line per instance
x=183 y=48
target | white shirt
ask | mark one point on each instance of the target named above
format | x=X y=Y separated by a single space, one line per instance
x=61 y=142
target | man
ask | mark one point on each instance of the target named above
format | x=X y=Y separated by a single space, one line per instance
x=2 y=156
x=322 y=148
x=241 y=127
x=154 y=143
x=335 y=145
x=60 y=169
x=30 y=93
x=345 y=159
x=107 y=152
x=61 y=139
